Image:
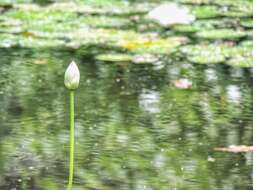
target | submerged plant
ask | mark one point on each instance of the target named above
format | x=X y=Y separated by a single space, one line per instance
x=71 y=81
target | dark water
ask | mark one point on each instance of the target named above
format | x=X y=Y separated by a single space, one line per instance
x=134 y=129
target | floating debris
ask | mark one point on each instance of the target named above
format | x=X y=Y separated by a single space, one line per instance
x=235 y=148
x=171 y=13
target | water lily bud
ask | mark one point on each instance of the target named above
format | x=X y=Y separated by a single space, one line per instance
x=72 y=76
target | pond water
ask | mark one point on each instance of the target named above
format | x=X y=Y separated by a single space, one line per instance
x=137 y=128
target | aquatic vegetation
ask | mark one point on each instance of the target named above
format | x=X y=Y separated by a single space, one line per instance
x=155 y=102
x=241 y=61
x=71 y=81
x=221 y=34
x=214 y=53
x=153 y=46
x=114 y=57
x=248 y=23
x=206 y=11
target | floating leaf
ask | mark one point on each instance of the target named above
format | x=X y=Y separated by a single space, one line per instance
x=237 y=13
x=198 y=25
x=204 y=54
x=247 y=43
x=186 y=28
x=247 y=23
x=114 y=57
x=207 y=58
x=217 y=53
x=206 y=11
x=241 y=61
x=221 y=34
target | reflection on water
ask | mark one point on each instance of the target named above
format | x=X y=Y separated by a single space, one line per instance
x=135 y=130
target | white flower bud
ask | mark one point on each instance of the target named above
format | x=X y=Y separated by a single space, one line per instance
x=72 y=76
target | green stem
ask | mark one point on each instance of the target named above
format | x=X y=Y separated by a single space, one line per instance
x=72 y=139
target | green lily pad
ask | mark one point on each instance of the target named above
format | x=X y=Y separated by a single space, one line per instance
x=247 y=43
x=204 y=54
x=241 y=61
x=237 y=13
x=247 y=23
x=203 y=59
x=104 y=21
x=186 y=28
x=221 y=34
x=212 y=53
x=206 y=11
x=114 y=57
x=154 y=46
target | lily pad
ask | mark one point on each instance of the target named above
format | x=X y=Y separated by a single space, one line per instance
x=241 y=61
x=247 y=23
x=207 y=58
x=186 y=28
x=227 y=34
x=153 y=46
x=206 y=11
x=114 y=57
x=198 y=25
x=237 y=13
x=247 y=43
x=217 y=53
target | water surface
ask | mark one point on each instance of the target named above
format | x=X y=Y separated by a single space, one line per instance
x=135 y=130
